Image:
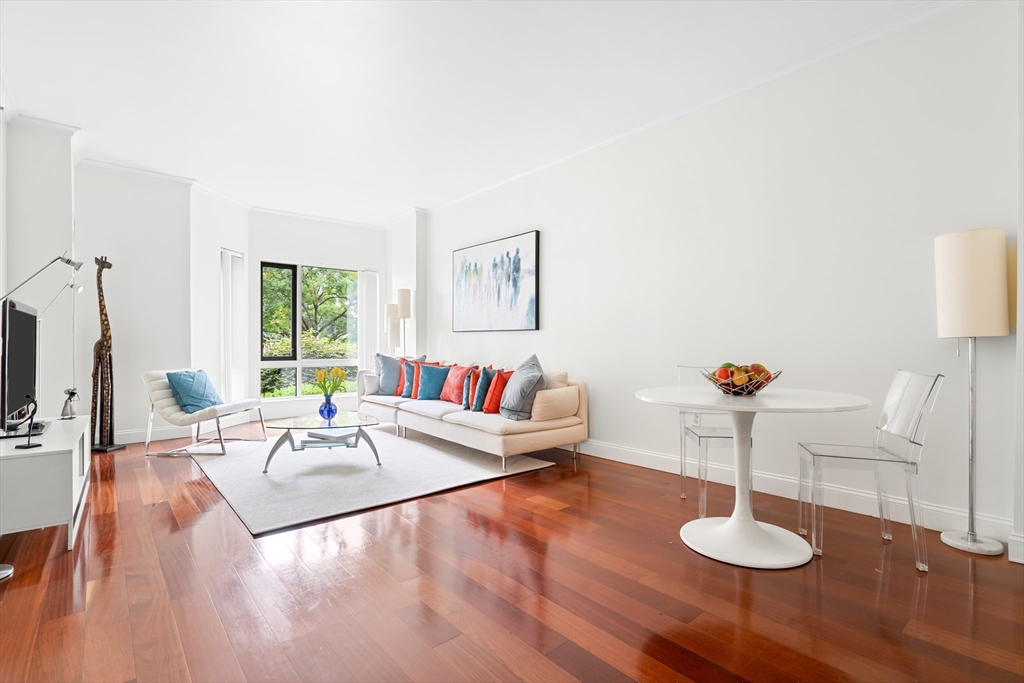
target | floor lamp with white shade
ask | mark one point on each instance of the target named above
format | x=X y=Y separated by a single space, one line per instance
x=971 y=301
x=394 y=330
x=404 y=313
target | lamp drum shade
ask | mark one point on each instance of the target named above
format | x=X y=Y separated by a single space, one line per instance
x=394 y=333
x=391 y=311
x=970 y=284
x=405 y=303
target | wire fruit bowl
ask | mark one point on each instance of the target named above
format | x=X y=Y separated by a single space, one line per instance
x=741 y=382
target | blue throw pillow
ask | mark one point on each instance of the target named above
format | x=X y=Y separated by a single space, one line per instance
x=193 y=390
x=466 y=398
x=390 y=370
x=432 y=380
x=410 y=374
x=486 y=376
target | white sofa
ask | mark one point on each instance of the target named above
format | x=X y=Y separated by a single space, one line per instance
x=487 y=432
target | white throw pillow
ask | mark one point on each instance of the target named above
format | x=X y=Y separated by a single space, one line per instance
x=556 y=380
x=551 y=404
x=371 y=384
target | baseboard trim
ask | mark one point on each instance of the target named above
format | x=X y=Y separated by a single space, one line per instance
x=937 y=517
x=1016 y=548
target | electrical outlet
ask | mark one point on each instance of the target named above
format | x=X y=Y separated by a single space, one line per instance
x=695 y=419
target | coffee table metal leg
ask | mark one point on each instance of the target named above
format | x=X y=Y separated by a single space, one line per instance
x=285 y=438
x=361 y=434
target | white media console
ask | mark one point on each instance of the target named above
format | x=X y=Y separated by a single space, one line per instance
x=46 y=486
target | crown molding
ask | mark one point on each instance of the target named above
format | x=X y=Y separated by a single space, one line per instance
x=217 y=194
x=136 y=172
x=322 y=219
x=914 y=14
x=44 y=125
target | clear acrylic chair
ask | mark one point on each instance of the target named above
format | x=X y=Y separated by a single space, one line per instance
x=706 y=428
x=899 y=440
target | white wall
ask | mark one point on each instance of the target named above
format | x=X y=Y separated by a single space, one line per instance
x=215 y=223
x=290 y=238
x=40 y=224
x=1016 y=549
x=407 y=269
x=791 y=225
x=141 y=224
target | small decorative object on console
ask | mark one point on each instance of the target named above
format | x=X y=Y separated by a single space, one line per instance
x=68 y=411
x=740 y=380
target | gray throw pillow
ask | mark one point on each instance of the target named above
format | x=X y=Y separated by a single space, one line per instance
x=389 y=369
x=521 y=390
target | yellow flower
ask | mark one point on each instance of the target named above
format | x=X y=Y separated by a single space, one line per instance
x=321 y=375
x=338 y=373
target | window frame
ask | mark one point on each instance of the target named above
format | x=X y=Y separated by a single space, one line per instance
x=296 y=361
x=296 y=342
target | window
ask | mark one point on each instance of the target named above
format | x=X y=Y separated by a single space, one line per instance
x=310 y=320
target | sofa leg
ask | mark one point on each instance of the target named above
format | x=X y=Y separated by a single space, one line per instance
x=575 y=451
x=503 y=464
x=398 y=430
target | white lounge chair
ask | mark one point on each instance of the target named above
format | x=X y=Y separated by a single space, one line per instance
x=163 y=402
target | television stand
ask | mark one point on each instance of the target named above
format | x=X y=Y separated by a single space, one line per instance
x=46 y=486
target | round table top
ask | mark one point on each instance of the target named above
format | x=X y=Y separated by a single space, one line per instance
x=770 y=400
x=344 y=419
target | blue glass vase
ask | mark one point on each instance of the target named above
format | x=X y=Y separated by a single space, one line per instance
x=327 y=409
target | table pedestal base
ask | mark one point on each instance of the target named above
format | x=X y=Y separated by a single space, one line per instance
x=746 y=543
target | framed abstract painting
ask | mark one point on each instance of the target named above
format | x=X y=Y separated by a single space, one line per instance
x=495 y=285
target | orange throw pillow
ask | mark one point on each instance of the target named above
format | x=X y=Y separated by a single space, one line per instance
x=453 y=386
x=493 y=401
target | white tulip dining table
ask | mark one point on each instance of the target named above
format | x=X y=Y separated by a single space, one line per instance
x=740 y=539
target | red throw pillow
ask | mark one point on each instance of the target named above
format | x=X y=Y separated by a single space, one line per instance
x=453 y=386
x=497 y=388
x=401 y=377
x=416 y=375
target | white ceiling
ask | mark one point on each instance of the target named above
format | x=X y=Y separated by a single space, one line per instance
x=359 y=111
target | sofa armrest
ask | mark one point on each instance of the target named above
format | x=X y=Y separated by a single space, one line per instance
x=366 y=383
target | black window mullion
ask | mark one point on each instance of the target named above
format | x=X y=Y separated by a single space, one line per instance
x=294 y=337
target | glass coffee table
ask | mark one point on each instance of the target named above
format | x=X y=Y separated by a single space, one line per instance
x=351 y=422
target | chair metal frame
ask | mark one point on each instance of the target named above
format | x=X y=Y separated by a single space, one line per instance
x=196 y=441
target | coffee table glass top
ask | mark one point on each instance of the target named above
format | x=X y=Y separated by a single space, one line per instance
x=346 y=419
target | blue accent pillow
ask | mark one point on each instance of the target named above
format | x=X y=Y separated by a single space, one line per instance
x=410 y=373
x=486 y=377
x=193 y=390
x=432 y=379
x=466 y=398
x=390 y=370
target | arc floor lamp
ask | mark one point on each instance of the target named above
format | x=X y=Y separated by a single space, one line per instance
x=972 y=301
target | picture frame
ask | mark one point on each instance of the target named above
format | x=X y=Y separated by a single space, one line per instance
x=496 y=285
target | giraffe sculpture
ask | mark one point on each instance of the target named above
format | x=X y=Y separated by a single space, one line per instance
x=103 y=374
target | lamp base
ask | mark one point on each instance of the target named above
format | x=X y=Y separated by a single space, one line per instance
x=5 y=571
x=979 y=546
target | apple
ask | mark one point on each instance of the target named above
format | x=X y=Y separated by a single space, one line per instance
x=723 y=374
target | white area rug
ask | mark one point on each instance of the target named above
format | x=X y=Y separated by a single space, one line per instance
x=313 y=484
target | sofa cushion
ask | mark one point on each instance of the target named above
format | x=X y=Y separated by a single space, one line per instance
x=193 y=390
x=492 y=404
x=522 y=388
x=454 y=385
x=482 y=387
x=556 y=380
x=392 y=401
x=496 y=424
x=436 y=409
x=388 y=368
x=552 y=404
x=371 y=384
x=469 y=388
x=432 y=379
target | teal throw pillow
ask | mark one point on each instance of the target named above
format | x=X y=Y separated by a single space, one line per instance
x=486 y=377
x=410 y=374
x=193 y=390
x=432 y=379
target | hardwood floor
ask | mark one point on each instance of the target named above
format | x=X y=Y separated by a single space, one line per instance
x=565 y=574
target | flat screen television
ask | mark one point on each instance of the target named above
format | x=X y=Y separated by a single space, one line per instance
x=18 y=364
